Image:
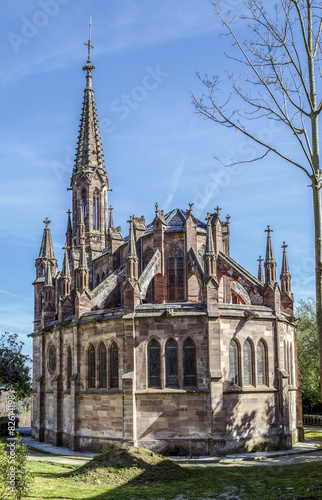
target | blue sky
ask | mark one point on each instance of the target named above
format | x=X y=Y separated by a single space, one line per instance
x=156 y=148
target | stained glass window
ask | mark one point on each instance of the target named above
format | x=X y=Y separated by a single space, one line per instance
x=248 y=365
x=261 y=363
x=114 y=365
x=171 y=360
x=102 y=366
x=150 y=291
x=176 y=274
x=189 y=363
x=69 y=366
x=52 y=358
x=91 y=366
x=154 y=364
x=233 y=363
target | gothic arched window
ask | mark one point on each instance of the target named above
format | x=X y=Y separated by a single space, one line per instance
x=175 y=274
x=91 y=366
x=248 y=363
x=189 y=363
x=52 y=358
x=96 y=210
x=114 y=365
x=84 y=202
x=261 y=363
x=69 y=366
x=154 y=374
x=171 y=363
x=233 y=363
x=102 y=370
x=150 y=291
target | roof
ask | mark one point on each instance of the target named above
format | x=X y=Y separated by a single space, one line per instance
x=175 y=222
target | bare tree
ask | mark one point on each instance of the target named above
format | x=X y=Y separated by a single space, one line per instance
x=282 y=69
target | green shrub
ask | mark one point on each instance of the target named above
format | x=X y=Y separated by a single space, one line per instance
x=15 y=477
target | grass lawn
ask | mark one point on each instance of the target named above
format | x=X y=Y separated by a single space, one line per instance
x=52 y=481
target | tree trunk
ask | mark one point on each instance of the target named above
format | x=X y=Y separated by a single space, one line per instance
x=318 y=268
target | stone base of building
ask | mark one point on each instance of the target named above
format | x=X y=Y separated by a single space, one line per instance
x=174 y=447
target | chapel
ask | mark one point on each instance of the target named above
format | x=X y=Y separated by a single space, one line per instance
x=158 y=338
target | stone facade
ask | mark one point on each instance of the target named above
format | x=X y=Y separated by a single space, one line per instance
x=159 y=339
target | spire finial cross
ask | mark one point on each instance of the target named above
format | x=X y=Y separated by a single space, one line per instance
x=88 y=44
x=269 y=231
x=111 y=208
x=218 y=210
x=68 y=211
x=260 y=260
x=284 y=246
x=47 y=221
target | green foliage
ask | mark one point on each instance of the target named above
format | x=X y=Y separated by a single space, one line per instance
x=15 y=477
x=308 y=356
x=14 y=370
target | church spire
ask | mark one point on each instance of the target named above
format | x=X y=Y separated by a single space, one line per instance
x=209 y=256
x=285 y=274
x=131 y=258
x=260 y=269
x=46 y=249
x=111 y=221
x=89 y=149
x=69 y=231
x=270 y=262
x=89 y=180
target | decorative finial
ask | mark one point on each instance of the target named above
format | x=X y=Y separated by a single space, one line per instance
x=260 y=260
x=47 y=221
x=269 y=230
x=156 y=208
x=208 y=218
x=284 y=246
x=88 y=44
x=228 y=218
x=110 y=208
x=68 y=211
x=190 y=206
x=218 y=210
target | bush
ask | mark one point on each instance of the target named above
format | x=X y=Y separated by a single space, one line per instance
x=15 y=477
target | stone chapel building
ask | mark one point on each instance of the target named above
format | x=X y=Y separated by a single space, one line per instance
x=160 y=338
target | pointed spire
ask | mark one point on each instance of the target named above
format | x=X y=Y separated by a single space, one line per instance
x=66 y=268
x=270 y=262
x=111 y=221
x=285 y=274
x=260 y=269
x=69 y=231
x=131 y=249
x=131 y=258
x=82 y=271
x=65 y=276
x=46 y=249
x=209 y=255
x=210 y=249
x=89 y=149
x=82 y=257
